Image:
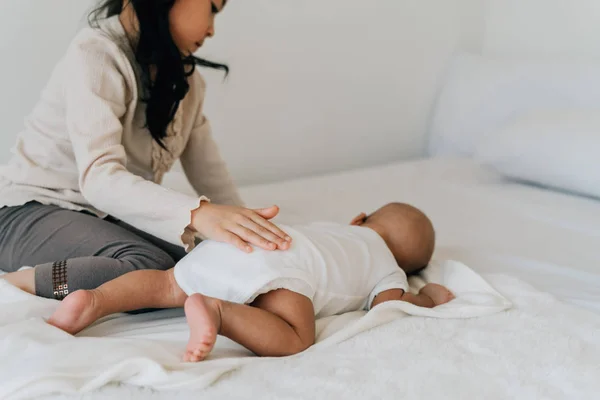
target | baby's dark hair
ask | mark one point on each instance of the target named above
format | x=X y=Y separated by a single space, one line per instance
x=155 y=46
x=409 y=234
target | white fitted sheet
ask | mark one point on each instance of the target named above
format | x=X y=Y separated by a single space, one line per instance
x=494 y=226
x=546 y=238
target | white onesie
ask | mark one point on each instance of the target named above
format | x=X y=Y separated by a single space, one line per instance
x=341 y=268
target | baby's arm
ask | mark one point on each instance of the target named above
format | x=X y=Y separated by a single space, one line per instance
x=388 y=295
x=429 y=296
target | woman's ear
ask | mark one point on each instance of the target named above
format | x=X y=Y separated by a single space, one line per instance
x=359 y=219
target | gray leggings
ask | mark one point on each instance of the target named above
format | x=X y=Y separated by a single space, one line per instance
x=75 y=250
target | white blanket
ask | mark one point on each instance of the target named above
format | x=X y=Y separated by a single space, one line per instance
x=538 y=348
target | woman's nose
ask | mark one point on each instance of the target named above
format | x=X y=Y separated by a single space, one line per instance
x=211 y=31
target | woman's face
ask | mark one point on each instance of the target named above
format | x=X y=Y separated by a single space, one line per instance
x=192 y=21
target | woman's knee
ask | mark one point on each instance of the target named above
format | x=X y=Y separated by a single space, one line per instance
x=143 y=255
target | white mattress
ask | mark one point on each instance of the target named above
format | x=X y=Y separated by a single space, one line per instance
x=546 y=238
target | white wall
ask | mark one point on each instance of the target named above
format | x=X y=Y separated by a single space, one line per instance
x=328 y=85
x=33 y=36
x=563 y=29
x=316 y=85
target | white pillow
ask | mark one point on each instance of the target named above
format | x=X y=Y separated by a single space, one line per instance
x=481 y=94
x=557 y=149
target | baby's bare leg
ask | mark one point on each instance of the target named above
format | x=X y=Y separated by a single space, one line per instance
x=133 y=291
x=278 y=323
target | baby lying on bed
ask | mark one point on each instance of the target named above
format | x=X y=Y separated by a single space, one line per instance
x=268 y=301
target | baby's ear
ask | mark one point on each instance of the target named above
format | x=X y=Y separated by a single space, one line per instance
x=359 y=219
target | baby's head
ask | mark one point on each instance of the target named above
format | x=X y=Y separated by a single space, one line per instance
x=406 y=230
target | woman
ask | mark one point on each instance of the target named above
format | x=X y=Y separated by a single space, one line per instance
x=81 y=199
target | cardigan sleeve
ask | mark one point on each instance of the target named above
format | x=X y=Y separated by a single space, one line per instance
x=205 y=168
x=96 y=100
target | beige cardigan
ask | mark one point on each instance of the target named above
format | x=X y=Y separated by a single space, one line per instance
x=85 y=147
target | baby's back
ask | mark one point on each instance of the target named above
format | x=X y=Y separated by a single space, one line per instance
x=336 y=266
x=352 y=261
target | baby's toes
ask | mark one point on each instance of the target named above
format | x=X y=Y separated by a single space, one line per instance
x=449 y=295
x=199 y=355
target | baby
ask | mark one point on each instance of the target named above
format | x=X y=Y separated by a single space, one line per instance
x=268 y=301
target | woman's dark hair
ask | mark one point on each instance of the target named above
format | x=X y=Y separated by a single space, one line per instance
x=155 y=47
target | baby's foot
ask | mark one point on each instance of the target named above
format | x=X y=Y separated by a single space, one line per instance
x=76 y=312
x=204 y=319
x=438 y=293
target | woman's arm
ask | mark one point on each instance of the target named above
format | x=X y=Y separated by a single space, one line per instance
x=205 y=168
x=208 y=174
x=96 y=99
x=96 y=96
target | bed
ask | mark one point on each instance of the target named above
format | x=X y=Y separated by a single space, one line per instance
x=536 y=247
x=491 y=223
x=511 y=183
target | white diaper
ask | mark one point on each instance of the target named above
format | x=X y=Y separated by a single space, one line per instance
x=292 y=284
x=222 y=271
x=340 y=268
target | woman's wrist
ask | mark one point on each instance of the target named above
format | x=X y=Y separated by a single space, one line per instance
x=203 y=202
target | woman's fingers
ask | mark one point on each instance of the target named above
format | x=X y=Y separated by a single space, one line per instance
x=250 y=236
x=233 y=239
x=267 y=213
x=266 y=230
x=268 y=225
x=240 y=226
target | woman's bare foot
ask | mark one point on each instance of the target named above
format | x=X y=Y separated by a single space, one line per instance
x=76 y=312
x=204 y=319
x=438 y=293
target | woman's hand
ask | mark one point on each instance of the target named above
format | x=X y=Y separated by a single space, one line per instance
x=240 y=226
